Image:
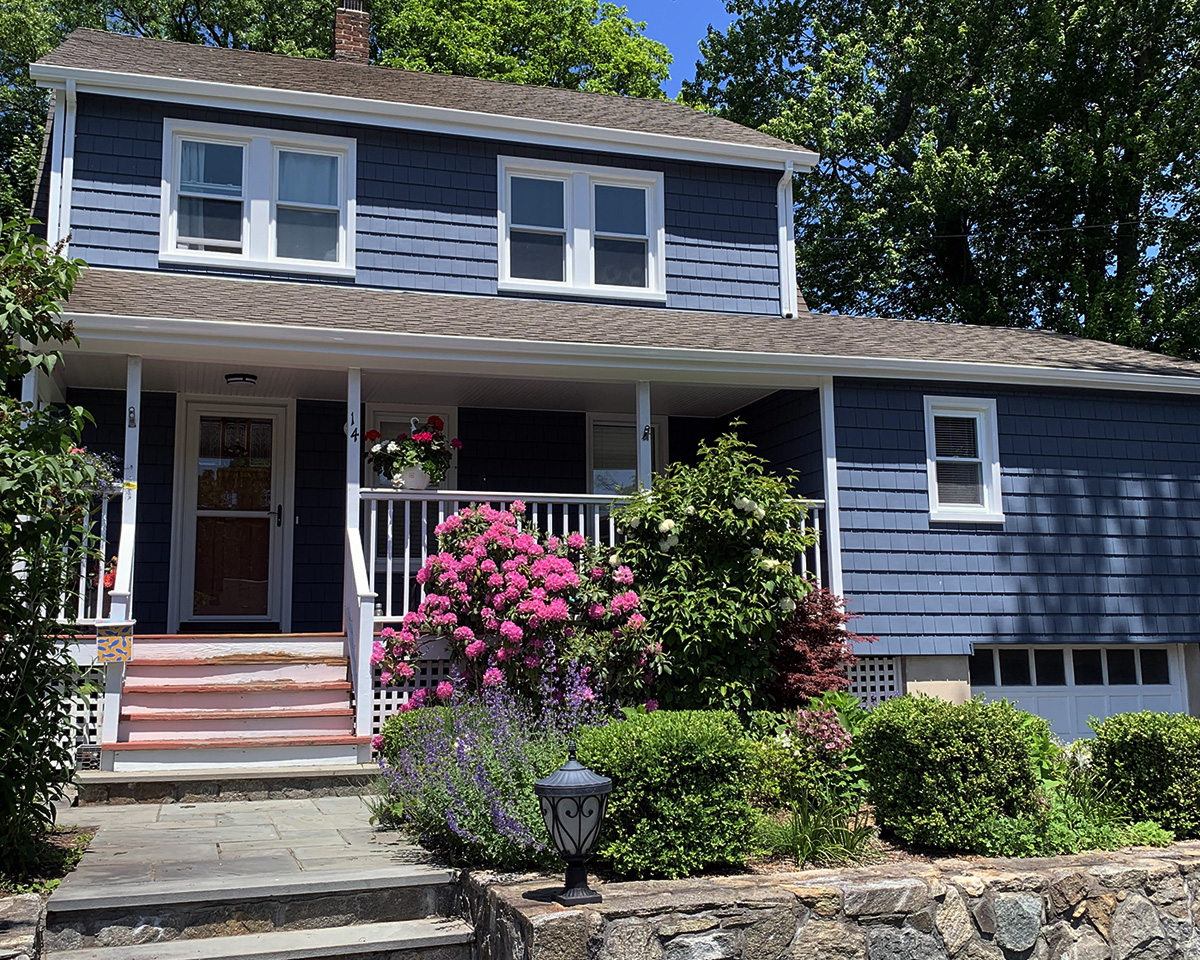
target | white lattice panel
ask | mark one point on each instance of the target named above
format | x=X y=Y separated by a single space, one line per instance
x=87 y=713
x=388 y=698
x=874 y=679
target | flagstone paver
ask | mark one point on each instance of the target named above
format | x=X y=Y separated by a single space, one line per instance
x=206 y=841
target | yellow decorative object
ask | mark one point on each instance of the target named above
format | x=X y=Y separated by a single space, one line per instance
x=114 y=640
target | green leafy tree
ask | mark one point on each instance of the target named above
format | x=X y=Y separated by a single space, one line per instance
x=45 y=490
x=715 y=550
x=984 y=161
x=576 y=44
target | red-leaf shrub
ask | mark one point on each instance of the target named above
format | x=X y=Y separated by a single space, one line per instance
x=813 y=650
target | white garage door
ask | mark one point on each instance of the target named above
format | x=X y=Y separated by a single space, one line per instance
x=1069 y=685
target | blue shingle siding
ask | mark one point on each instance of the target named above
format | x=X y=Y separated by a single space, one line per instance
x=426 y=206
x=786 y=430
x=539 y=451
x=319 y=534
x=1101 y=538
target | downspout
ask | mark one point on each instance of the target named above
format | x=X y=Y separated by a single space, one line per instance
x=788 y=301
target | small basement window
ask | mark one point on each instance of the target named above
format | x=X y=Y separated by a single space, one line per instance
x=961 y=445
x=257 y=199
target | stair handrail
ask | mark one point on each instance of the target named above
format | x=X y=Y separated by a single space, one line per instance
x=360 y=631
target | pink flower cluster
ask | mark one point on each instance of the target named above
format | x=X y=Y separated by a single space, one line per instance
x=820 y=732
x=510 y=598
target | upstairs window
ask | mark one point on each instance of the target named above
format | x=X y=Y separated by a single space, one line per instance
x=257 y=199
x=962 y=460
x=590 y=231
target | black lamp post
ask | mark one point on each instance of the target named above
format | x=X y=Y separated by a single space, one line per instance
x=573 y=801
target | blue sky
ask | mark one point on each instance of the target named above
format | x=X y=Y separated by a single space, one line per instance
x=680 y=24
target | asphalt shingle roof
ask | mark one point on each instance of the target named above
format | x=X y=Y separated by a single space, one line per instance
x=152 y=294
x=102 y=50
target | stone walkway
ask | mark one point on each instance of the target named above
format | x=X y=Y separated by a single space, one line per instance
x=203 y=842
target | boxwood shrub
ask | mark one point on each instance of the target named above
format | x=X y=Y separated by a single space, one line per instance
x=679 y=803
x=957 y=777
x=1151 y=762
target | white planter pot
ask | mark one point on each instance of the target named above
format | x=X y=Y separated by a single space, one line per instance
x=412 y=478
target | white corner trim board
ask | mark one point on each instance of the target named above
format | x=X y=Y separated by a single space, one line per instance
x=447 y=120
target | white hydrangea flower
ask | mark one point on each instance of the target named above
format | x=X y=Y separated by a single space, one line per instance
x=787 y=604
x=759 y=513
x=614 y=561
x=672 y=541
x=756 y=552
x=664 y=545
x=769 y=563
x=635 y=522
x=666 y=526
x=689 y=510
x=742 y=503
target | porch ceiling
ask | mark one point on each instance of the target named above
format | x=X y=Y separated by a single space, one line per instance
x=405 y=388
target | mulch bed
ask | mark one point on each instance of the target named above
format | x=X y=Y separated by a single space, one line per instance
x=59 y=853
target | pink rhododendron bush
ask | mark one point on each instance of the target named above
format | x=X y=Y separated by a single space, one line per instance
x=519 y=606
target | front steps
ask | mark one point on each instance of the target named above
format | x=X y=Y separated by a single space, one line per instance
x=393 y=911
x=203 y=701
x=222 y=784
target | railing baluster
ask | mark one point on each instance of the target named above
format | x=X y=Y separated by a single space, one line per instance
x=372 y=552
x=387 y=590
x=816 y=514
x=424 y=531
x=407 y=553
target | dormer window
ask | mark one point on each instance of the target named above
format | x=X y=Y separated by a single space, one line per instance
x=585 y=231
x=257 y=199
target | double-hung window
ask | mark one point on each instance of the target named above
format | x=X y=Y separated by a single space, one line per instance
x=257 y=199
x=962 y=459
x=589 y=231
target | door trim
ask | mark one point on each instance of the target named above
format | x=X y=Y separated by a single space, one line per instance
x=286 y=410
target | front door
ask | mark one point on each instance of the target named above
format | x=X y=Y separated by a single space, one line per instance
x=233 y=517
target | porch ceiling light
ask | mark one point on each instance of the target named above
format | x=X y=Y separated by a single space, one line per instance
x=573 y=801
x=241 y=379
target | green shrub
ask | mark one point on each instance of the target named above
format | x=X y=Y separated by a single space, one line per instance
x=1152 y=763
x=988 y=778
x=715 y=550
x=679 y=802
x=957 y=777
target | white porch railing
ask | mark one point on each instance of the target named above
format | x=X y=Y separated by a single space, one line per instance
x=398 y=533
x=91 y=596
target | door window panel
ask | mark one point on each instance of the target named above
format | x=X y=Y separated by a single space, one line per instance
x=232 y=567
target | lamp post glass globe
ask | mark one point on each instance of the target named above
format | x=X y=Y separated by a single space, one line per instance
x=573 y=801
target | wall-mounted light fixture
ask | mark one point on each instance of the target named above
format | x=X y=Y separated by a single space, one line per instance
x=241 y=379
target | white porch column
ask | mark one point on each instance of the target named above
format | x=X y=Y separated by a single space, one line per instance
x=833 y=527
x=353 y=444
x=121 y=607
x=645 y=436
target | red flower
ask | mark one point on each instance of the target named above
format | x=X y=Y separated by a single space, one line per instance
x=110 y=579
x=437 y=423
x=372 y=435
x=456 y=443
x=423 y=437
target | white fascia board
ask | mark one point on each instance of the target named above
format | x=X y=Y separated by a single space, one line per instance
x=427 y=119
x=339 y=348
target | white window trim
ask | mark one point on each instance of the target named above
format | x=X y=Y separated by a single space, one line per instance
x=983 y=411
x=579 y=180
x=259 y=182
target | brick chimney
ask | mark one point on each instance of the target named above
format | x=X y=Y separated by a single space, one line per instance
x=352 y=32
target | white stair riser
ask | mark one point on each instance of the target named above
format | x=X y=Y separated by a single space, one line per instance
x=132 y=702
x=191 y=648
x=145 y=672
x=248 y=756
x=250 y=727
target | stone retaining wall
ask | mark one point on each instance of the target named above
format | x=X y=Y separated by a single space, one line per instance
x=22 y=922
x=1134 y=905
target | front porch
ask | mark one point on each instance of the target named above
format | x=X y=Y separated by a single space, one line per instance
x=255 y=551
